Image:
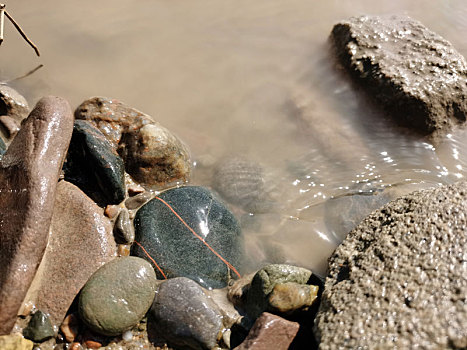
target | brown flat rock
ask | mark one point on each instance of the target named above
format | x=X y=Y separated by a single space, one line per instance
x=270 y=332
x=81 y=241
x=29 y=172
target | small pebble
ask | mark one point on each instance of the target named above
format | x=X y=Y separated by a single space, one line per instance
x=26 y=309
x=112 y=211
x=138 y=200
x=76 y=346
x=123 y=249
x=127 y=336
x=70 y=327
x=135 y=189
x=92 y=344
x=124 y=231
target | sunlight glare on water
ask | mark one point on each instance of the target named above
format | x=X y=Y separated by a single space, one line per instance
x=246 y=78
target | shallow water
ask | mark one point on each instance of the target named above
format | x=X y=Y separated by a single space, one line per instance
x=252 y=79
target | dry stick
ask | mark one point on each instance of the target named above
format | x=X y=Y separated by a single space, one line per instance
x=18 y=28
x=27 y=74
x=2 y=20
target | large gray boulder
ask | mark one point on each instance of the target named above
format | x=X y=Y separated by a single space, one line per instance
x=413 y=73
x=399 y=280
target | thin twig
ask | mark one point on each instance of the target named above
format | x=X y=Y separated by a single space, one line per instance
x=27 y=74
x=2 y=20
x=25 y=37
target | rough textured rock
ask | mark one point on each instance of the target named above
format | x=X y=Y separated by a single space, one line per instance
x=29 y=172
x=80 y=242
x=264 y=281
x=270 y=332
x=415 y=74
x=155 y=157
x=242 y=182
x=39 y=327
x=12 y=103
x=15 y=342
x=118 y=295
x=94 y=166
x=161 y=227
x=112 y=117
x=185 y=316
x=399 y=280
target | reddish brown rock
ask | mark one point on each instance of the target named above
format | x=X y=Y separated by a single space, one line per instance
x=10 y=125
x=81 y=241
x=12 y=103
x=270 y=332
x=112 y=117
x=29 y=172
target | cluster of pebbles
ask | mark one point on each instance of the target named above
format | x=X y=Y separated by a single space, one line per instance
x=104 y=244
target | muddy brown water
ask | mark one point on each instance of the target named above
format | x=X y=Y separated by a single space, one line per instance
x=251 y=78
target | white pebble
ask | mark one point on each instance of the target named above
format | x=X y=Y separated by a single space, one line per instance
x=127 y=336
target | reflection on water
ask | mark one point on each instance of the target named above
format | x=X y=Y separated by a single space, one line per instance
x=246 y=78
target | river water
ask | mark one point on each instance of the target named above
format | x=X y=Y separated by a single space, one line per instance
x=249 y=78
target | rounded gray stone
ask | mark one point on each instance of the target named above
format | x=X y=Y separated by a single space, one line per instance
x=185 y=316
x=399 y=279
x=118 y=295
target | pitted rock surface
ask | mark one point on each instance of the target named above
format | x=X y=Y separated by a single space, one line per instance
x=81 y=241
x=415 y=74
x=29 y=172
x=399 y=280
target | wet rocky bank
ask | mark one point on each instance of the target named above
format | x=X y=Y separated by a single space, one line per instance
x=106 y=242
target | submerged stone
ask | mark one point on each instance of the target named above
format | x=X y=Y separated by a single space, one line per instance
x=188 y=232
x=413 y=73
x=403 y=268
x=118 y=295
x=39 y=327
x=185 y=316
x=94 y=166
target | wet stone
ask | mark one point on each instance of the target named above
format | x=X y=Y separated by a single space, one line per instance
x=39 y=327
x=177 y=249
x=266 y=279
x=80 y=242
x=124 y=230
x=10 y=125
x=138 y=200
x=287 y=298
x=13 y=104
x=118 y=295
x=155 y=157
x=29 y=172
x=112 y=117
x=270 y=332
x=413 y=73
x=403 y=268
x=185 y=316
x=94 y=166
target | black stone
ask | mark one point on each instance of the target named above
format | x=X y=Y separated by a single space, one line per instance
x=413 y=73
x=176 y=250
x=39 y=327
x=94 y=166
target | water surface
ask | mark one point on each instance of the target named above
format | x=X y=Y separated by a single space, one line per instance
x=250 y=78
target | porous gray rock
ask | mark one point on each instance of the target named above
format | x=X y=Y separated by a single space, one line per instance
x=399 y=279
x=412 y=72
x=39 y=327
x=185 y=316
x=118 y=295
x=29 y=172
x=80 y=242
